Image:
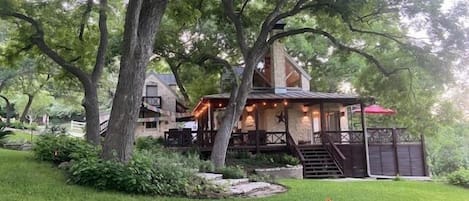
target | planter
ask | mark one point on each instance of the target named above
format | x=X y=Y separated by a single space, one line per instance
x=289 y=172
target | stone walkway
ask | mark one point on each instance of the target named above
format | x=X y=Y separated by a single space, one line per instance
x=243 y=187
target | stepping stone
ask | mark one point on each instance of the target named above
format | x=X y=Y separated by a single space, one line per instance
x=248 y=188
x=209 y=176
x=230 y=182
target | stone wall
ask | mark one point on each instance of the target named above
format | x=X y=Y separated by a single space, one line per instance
x=295 y=172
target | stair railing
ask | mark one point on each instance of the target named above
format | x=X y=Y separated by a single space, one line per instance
x=334 y=151
x=294 y=148
x=103 y=127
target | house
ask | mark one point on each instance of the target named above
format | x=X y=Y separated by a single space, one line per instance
x=282 y=115
x=161 y=105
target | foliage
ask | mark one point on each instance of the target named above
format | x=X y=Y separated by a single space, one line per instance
x=283 y=159
x=261 y=160
x=201 y=188
x=146 y=173
x=62 y=148
x=57 y=129
x=232 y=172
x=460 y=178
x=148 y=143
x=3 y=132
x=20 y=137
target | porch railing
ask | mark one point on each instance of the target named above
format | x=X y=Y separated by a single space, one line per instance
x=339 y=159
x=189 y=138
x=152 y=100
x=340 y=137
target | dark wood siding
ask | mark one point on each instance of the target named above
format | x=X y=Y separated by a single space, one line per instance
x=356 y=154
x=409 y=158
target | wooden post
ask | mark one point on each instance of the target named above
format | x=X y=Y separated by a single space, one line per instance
x=285 y=110
x=212 y=124
x=365 y=137
x=394 y=145
x=424 y=156
x=322 y=120
x=256 y=119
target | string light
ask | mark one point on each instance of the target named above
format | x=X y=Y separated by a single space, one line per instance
x=275 y=104
x=285 y=103
x=219 y=105
x=264 y=103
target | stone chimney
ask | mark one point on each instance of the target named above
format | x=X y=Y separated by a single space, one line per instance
x=277 y=52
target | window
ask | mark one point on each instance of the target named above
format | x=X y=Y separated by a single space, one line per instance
x=152 y=124
x=152 y=90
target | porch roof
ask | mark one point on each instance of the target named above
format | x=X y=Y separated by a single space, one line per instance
x=292 y=95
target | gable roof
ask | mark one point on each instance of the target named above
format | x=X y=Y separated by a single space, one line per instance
x=296 y=66
x=168 y=78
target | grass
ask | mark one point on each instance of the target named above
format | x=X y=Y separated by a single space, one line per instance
x=20 y=136
x=24 y=179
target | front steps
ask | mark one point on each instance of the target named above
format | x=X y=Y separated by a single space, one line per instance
x=318 y=163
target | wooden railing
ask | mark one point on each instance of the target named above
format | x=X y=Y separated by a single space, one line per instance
x=188 y=138
x=152 y=100
x=340 y=137
x=294 y=148
x=391 y=136
x=334 y=151
x=103 y=127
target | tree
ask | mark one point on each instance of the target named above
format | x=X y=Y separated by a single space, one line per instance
x=142 y=21
x=26 y=24
x=331 y=20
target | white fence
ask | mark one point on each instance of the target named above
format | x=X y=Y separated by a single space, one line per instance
x=77 y=128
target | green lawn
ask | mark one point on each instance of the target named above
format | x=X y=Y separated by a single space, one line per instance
x=24 y=179
x=21 y=136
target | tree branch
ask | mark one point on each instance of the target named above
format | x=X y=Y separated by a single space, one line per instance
x=103 y=42
x=336 y=43
x=84 y=19
x=38 y=40
x=240 y=32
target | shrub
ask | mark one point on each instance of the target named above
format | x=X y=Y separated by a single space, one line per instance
x=3 y=133
x=232 y=172
x=201 y=188
x=62 y=148
x=459 y=178
x=239 y=154
x=286 y=159
x=281 y=159
x=146 y=173
x=57 y=129
x=149 y=143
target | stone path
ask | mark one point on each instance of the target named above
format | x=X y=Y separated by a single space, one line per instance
x=243 y=187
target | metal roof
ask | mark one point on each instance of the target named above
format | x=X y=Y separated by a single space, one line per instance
x=290 y=94
x=168 y=79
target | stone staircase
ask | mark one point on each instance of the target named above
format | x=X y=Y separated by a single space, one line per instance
x=242 y=187
x=318 y=163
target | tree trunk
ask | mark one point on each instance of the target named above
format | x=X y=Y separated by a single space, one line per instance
x=8 y=109
x=91 y=105
x=26 y=108
x=233 y=111
x=182 y=89
x=141 y=24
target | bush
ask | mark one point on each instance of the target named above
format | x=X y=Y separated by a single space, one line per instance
x=201 y=188
x=232 y=172
x=3 y=133
x=146 y=173
x=57 y=129
x=281 y=159
x=18 y=125
x=459 y=178
x=149 y=143
x=62 y=148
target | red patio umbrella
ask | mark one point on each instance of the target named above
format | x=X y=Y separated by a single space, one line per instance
x=376 y=109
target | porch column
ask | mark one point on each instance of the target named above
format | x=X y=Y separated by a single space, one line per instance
x=285 y=110
x=256 y=119
x=322 y=119
x=365 y=139
x=210 y=116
